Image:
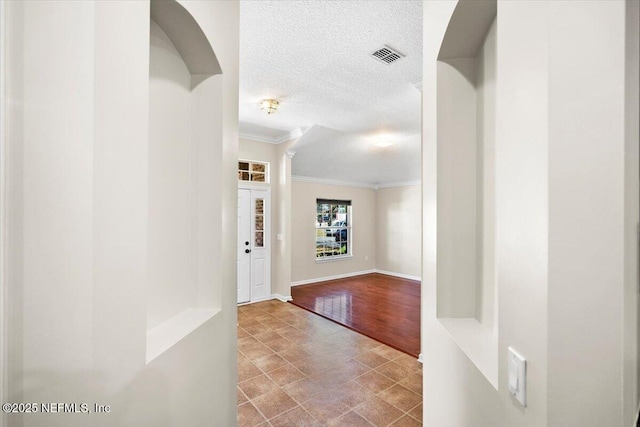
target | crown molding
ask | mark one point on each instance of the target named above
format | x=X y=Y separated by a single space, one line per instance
x=399 y=184
x=314 y=180
x=296 y=133
x=257 y=138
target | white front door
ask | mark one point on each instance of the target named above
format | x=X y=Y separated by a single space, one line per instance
x=254 y=245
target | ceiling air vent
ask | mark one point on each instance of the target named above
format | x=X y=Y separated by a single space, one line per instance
x=387 y=55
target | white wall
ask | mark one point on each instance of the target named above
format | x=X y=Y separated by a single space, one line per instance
x=260 y=151
x=172 y=190
x=593 y=206
x=282 y=270
x=566 y=204
x=77 y=223
x=398 y=224
x=466 y=184
x=3 y=213
x=486 y=295
x=457 y=189
x=522 y=205
x=631 y=380
x=303 y=211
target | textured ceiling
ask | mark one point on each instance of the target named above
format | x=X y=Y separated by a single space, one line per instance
x=333 y=155
x=315 y=58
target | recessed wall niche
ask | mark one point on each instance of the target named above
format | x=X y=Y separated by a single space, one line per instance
x=467 y=303
x=185 y=152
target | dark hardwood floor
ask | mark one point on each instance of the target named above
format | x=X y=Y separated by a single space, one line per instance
x=385 y=308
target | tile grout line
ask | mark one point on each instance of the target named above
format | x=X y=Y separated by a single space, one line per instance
x=325 y=336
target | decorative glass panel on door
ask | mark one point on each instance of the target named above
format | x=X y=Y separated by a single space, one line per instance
x=259 y=224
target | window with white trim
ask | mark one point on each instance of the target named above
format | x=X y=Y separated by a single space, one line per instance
x=333 y=229
x=249 y=170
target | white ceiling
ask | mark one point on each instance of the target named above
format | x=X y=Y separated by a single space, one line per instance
x=339 y=156
x=315 y=58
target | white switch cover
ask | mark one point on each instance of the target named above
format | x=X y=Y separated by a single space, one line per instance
x=280 y=236
x=517 y=376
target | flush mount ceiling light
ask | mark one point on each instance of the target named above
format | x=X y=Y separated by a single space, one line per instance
x=383 y=142
x=269 y=106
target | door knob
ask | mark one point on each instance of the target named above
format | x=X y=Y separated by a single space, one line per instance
x=246 y=251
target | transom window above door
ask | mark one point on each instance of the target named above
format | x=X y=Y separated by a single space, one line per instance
x=250 y=170
x=333 y=229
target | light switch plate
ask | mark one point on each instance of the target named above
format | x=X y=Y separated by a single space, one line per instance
x=517 y=376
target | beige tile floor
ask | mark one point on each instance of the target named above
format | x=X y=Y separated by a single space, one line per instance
x=298 y=369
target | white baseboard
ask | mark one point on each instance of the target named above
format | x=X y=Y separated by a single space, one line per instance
x=273 y=296
x=281 y=297
x=240 y=304
x=355 y=273
x=338 y=276
x=401 y=275
x=420 y=359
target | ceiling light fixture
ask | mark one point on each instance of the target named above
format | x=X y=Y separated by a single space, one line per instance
x=383 y=142
x=270 y=106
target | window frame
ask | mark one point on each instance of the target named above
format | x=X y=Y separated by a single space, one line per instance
x=329 y=231
x=250 y=172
